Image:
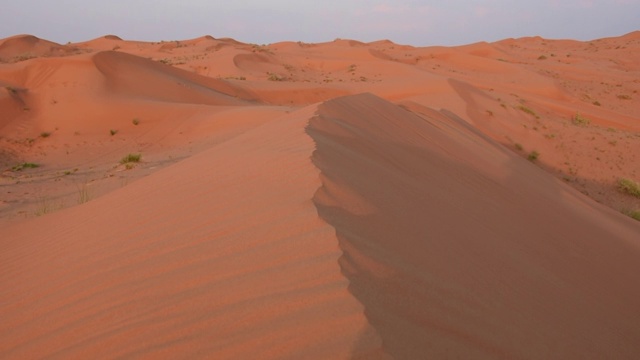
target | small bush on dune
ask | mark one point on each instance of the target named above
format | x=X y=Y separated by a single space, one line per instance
x=533 y=156
x=274 y=77
x=26 y=165
x=634 y=214
x=131 y=158
x=528 y=111
x=629 y=186
x=580 y=120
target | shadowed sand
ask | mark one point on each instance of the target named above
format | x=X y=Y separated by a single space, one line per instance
x=457 y=247
x=335 y=200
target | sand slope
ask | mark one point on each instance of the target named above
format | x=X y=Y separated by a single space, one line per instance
x=458 y=248
x=231 y=262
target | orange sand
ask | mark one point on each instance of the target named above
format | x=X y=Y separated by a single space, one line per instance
x=334 y=200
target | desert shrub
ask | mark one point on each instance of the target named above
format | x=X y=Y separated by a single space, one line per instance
x=634 y=214
x=528 y=111
x=629 y=186
x=533 y=156
x=25 y=165
x=131 y=158
x=580 y=120
x=274 y=77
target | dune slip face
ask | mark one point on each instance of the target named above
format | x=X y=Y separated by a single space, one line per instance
x=459 y=249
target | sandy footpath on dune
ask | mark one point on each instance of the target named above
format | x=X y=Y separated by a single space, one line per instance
x=319 y=201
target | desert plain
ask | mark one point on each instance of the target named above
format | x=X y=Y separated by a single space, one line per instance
x=208 y=198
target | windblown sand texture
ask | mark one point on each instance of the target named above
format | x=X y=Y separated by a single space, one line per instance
x=319 y=201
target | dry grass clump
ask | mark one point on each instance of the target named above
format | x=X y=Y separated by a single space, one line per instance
x=629 y=186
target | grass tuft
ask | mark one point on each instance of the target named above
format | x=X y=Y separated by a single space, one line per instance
x=25 y=165
x=274 y=77
x=580 y=120
x=131 y=158
x=634 y=214
x=528 y=111
x=629 y=186
x=533 y=156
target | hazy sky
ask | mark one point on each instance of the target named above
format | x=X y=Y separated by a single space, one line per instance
x=415 y=22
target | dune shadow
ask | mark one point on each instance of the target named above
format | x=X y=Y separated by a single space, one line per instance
x=460 y=248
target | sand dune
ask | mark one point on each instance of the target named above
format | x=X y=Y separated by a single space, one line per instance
x=456 y=246
x=22 y=47
x=333 y=200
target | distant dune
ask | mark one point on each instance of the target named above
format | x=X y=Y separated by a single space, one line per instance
x=207 y=198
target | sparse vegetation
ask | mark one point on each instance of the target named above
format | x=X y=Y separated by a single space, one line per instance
x=11 y=89
x=634 y=214
x=542 y=57
x=274 y=77
x=135 y=121
x=83 y=194
x=596 y=103
x=25 y=165
x=629 y=186
x=113 y=132
x=23 y=57
x=533 y=156
x=46 y=206
x=528 y=111
x=518 y=146
x=624 y=97
x=580 y=120
x=45 y=134
x=131 y=159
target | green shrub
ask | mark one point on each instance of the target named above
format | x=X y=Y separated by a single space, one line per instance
x=533 y=156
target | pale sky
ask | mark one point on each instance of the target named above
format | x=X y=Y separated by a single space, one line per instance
x=413 y=22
